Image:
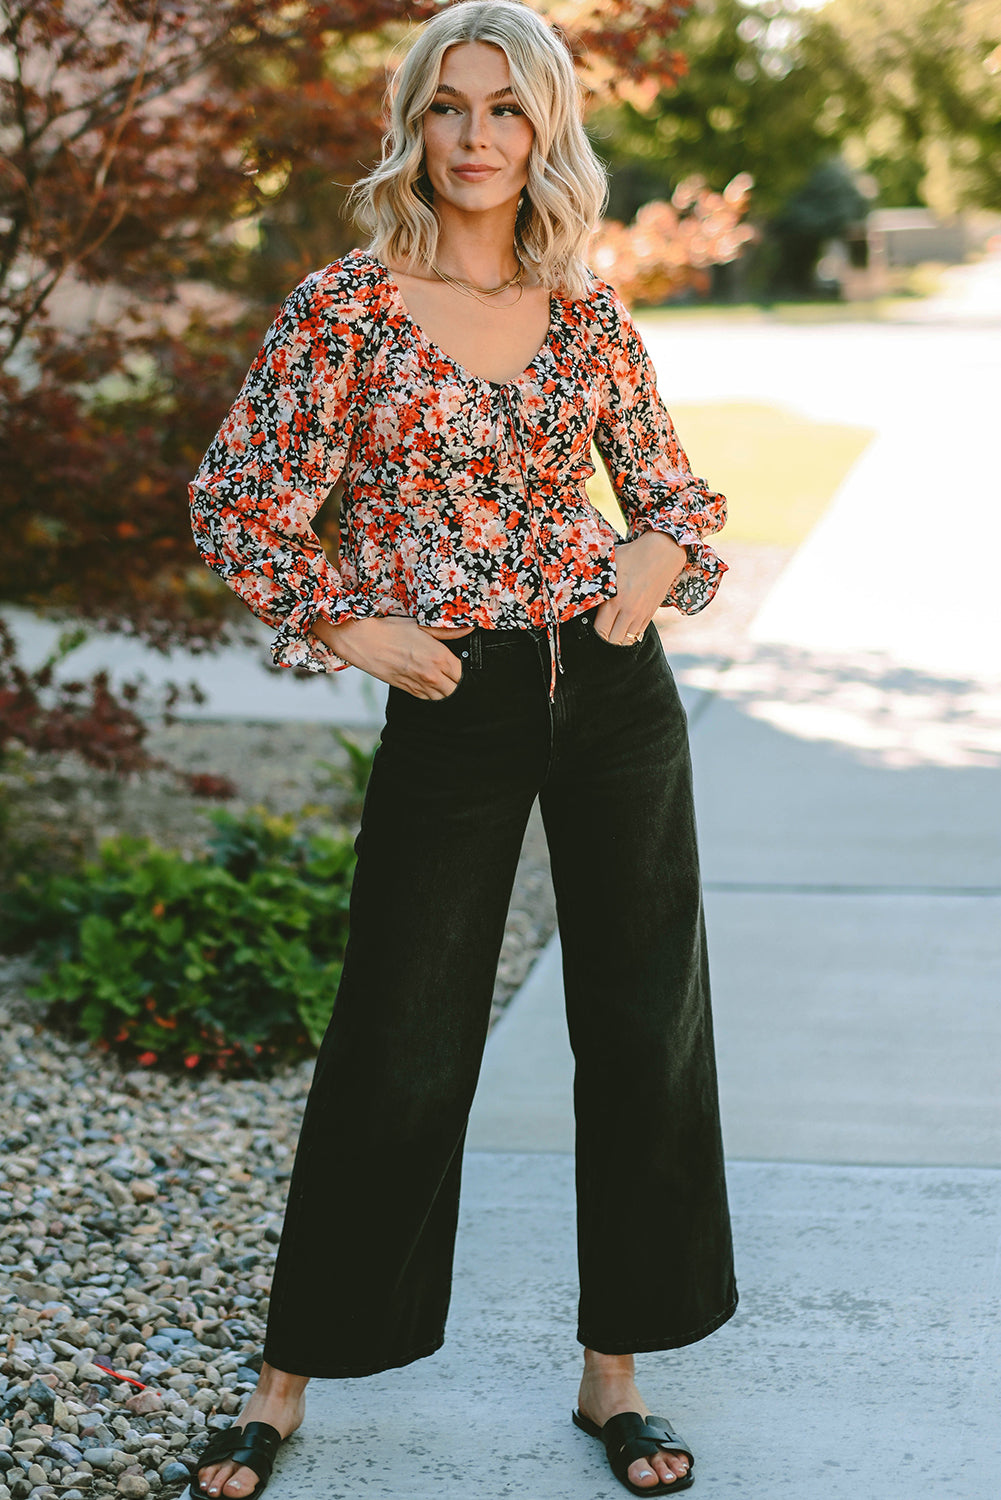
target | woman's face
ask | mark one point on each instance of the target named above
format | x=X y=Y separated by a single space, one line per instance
x=476 y=138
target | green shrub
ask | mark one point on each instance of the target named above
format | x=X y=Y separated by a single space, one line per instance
x=351 y=779
x=229 y=960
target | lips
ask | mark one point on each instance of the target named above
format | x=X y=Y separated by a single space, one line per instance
x=474 y=174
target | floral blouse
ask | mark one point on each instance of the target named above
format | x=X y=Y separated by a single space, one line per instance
x=464 y=499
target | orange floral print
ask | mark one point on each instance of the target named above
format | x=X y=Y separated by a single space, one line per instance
x=464 y=499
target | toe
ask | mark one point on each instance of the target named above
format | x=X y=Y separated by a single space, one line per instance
x=211 y=1478
x=242 y=1482
x=642 y=1472
x=670 y=1466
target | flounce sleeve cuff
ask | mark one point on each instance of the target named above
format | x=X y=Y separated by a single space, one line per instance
x=295 y=646
x=696 y=584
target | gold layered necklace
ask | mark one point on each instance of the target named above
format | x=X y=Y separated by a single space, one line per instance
x=482 y=293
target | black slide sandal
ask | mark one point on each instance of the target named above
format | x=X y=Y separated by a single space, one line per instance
x=251 y=1447
x=628 y=1437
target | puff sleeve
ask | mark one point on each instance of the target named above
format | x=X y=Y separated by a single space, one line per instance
x=273 y=462
x=649 y=471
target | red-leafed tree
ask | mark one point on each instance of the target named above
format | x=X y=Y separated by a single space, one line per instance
x=669 y=246
x=169 y=169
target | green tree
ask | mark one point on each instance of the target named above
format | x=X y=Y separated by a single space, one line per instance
x=744 y=105
x=913 y=91
x=827 y=205
x=812 y=103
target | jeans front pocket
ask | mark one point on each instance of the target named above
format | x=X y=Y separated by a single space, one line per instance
x=618 y=645
x=462 y=649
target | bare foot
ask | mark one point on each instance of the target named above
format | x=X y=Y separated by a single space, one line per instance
x=607 y=1388
x=279 y=1399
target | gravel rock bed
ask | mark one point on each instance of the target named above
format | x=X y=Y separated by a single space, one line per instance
x=139 y=1217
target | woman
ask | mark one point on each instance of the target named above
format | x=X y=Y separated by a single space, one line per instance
x=454 y=374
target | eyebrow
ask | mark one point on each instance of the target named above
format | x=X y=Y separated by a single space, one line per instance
x=446 y=88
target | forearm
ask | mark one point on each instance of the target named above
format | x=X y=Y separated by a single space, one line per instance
x=329 y=634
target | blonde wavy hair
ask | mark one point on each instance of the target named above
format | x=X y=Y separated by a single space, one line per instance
x=567 y=186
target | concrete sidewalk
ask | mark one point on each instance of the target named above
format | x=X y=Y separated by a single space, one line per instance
x=847 y=771
x=862 y=1361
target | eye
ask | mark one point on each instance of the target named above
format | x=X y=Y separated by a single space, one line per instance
x=440 y=109
x=512 y=108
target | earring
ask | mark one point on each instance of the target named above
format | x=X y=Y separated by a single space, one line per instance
x=521 y=199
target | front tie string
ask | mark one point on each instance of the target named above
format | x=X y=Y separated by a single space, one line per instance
x=552 y=614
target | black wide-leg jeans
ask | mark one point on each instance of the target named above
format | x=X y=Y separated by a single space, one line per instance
x=364 y=1267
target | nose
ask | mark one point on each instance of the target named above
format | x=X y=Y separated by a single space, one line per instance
x=475 y=130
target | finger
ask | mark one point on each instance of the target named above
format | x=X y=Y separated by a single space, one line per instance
x=634 y=628
x=421 y=689
x=432 y=682
x=449 y=675
x=604 y=622
x=623 y=631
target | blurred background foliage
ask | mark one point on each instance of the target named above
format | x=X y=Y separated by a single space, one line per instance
x=831 y=110
x=907 y=92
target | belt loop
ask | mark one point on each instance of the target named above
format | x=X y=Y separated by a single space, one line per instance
x=475 y=648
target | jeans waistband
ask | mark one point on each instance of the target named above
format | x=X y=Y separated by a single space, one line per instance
x=507 y=634
x=471 y=648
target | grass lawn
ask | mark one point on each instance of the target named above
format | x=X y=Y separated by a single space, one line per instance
x=906 y=286
x=778 y=470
